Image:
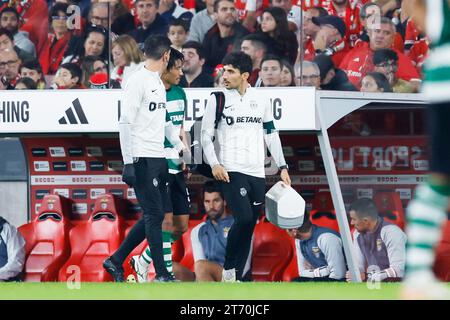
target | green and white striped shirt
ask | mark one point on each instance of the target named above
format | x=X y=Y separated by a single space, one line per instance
x=176 y=106
x=436 y=87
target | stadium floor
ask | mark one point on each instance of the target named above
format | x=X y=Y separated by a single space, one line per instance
x=200 y=291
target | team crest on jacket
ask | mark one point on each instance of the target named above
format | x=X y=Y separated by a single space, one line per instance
x=225 y=232
x=316 y=251
x=155 y=182
x=379 y=244
x=243 y=192
x=253 y=104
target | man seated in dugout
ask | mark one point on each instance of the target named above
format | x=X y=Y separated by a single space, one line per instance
x=380 y=245
x=320 y=255
x=209 y=239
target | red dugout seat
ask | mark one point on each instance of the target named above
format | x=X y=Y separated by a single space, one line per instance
x=442 y=264
x=390 y=207
x=272 y=252
x=291 y=270
x=47 y=239
x=188 y=258
x=323 y=213
x=95 y=240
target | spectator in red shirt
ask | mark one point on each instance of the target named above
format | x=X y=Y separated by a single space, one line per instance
x=310 y=31
x=358 y=62
x=256 y=49
x=68 y=76
x=57 y=41
x=370 y=14
x=349 y=12
x=330 y=38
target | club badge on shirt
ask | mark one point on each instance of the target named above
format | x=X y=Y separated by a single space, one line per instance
x=243 y=192
x=225 y=232
x=379 y=244
x=316 y=251
x=253 y=104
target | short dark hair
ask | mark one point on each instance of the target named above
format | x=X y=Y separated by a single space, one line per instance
x=322 y=11
x=155 y=46
x=175 y=55
x=307 y=224
x=32 y=65
x=381 y=81
x=325 y=64
x=216 y=4
x=155 y=1
x=268 y=57
x=8 y=33
x=197 y=46
x=57 y=7
x=179 y=23
x=256 y=40
x=28 y=82
x=239 y=60
x=383 y=55
x=10 y=9
x=365 y=208
x=213 y=186
x=74 y=70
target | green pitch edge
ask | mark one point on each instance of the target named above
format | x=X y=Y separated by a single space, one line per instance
x=201 y=291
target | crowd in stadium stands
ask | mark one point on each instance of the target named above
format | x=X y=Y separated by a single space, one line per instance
x=345 y=45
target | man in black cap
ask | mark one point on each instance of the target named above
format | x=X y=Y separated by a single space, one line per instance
x=332 y=78
x=330 y=38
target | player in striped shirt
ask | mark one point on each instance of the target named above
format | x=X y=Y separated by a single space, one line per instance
x=427 y=213
x=176 y=201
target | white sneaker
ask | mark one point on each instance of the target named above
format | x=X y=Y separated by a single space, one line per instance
x=424 y=287
x=141 y=271
x=229 y=275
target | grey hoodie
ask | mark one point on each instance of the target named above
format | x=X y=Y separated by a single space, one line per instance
x=23 y=42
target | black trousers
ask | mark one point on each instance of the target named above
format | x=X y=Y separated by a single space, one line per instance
x=244 y=195
x=438 y=121
x=150 y=188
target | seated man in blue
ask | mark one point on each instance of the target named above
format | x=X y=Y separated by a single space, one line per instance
x=12 y=252
x=320 y=255
x=209 y=239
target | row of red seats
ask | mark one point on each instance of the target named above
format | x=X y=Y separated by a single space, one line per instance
x=58 y=248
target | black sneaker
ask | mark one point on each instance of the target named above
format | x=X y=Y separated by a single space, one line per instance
x=115 y=271
x=165 y=278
